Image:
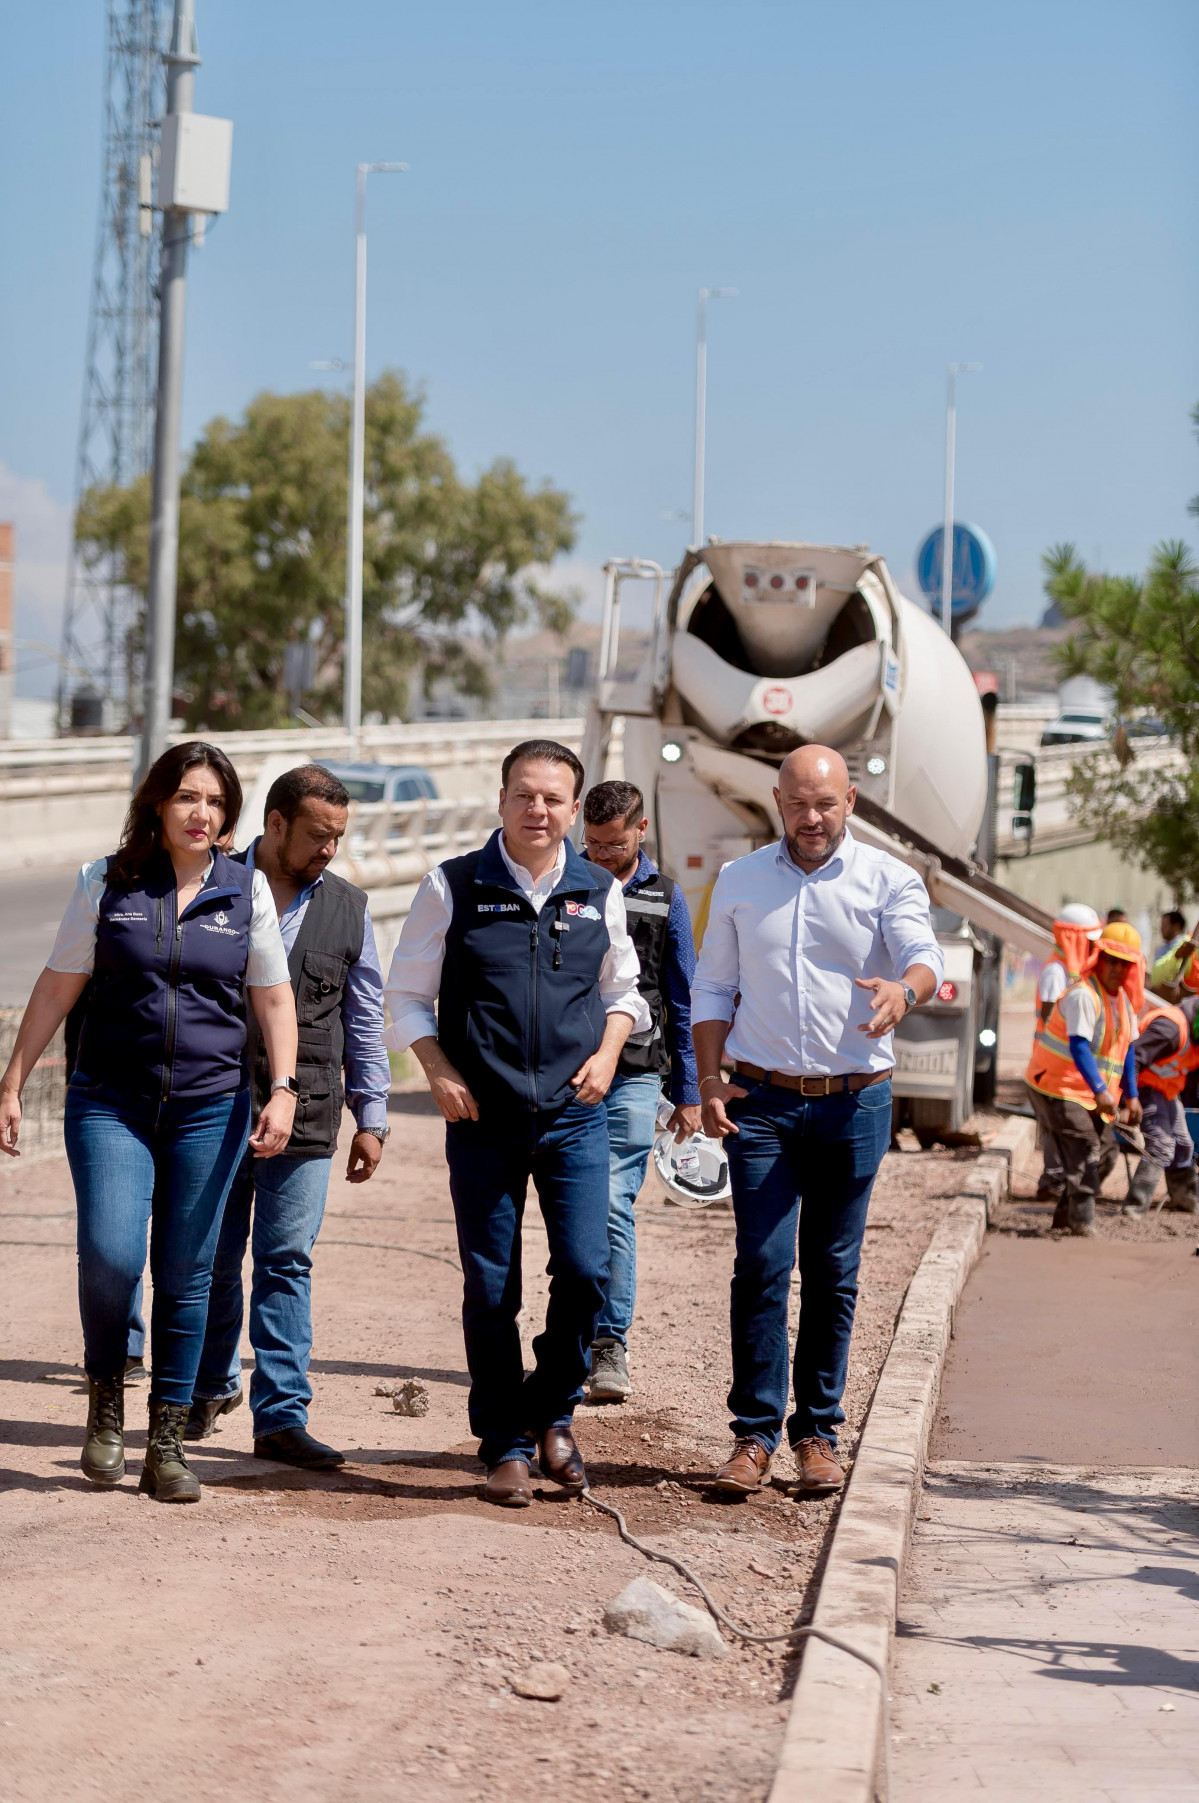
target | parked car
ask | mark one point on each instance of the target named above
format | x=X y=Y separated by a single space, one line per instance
x=1147 y=728
x=385 y=782
x=1077 y=728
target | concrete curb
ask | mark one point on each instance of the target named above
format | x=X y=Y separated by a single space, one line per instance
x=833 y=1742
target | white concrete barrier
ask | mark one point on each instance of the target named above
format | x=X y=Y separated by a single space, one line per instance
x=63 y=800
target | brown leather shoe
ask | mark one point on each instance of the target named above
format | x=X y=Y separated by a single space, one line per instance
x=746 y=1470
x=819 y=1472
x=508 y=1485
x=560 y=1459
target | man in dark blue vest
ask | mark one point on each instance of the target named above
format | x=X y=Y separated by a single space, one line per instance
x=525 y=950
x=614 y=828
x=338 y=986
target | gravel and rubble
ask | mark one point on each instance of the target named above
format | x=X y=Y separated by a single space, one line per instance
x=368 y=1632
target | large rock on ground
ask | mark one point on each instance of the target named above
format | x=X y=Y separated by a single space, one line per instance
x=644 y=1611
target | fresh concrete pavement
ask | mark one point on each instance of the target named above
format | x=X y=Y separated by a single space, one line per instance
x=1048 y=1644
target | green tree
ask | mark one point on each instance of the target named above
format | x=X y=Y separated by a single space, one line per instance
x=448 y=565
x=1140 y=638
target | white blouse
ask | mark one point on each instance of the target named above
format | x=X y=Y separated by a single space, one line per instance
x=75 y=947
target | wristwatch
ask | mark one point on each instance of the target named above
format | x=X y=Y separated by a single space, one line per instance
x=287 y=1083
x=382 y=1134
x=909 y=995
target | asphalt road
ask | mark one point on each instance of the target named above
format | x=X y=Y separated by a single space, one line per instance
x=31 y=905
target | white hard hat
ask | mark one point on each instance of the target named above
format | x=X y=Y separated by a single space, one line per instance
x=693 y=1173
x=1078 y=914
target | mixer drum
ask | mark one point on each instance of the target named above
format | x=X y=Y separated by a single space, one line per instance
x=793 y=644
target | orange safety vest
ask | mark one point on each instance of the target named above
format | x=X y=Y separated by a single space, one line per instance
x=1052 y=1069
x=1170 y=1074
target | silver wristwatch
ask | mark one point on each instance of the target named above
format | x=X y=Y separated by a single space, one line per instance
x=909 y=995
x=287 y=1083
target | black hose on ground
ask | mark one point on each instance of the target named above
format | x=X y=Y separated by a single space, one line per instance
x=795 y=1632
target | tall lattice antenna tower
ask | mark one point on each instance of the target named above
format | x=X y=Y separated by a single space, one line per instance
x=116 y=432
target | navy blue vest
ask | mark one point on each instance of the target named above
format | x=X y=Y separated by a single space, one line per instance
x=519 y=1008
x=165 y=1014
x=647 y=907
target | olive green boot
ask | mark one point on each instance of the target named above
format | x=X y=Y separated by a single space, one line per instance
x=103 y=1455
x=165 y=1474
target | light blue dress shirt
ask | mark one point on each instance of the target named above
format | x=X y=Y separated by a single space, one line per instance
x=791 y=944
x=367 y=1071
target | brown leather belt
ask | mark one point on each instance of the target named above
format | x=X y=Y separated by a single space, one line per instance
x=812 y=1086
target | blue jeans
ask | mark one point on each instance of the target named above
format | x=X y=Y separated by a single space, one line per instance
x=137 y=1164
x=136 y=1346
x=825 y=1151
x=491 y=1160
x=287 y=1196
x=632 y=1104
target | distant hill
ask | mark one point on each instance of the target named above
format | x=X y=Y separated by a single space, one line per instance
x=1029 y=648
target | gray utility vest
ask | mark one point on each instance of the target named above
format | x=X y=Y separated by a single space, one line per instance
x=647 y=909
x=328 y=942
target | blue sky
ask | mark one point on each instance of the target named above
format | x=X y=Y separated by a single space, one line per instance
x=889 y=187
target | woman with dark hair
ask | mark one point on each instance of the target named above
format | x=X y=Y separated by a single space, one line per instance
x=166 y=936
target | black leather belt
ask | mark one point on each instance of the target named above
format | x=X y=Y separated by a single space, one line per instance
x=811 y=1087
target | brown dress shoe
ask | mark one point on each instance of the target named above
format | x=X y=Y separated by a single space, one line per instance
x=560 y=1459
x=508 y=1485
x=819 y=1472
x=746 y=1470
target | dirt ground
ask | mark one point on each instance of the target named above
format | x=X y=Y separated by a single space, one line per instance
x=357 y=1634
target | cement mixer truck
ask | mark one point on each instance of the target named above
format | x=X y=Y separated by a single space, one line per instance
x=755 y=649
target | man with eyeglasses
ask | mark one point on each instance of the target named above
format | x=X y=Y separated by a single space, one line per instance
x=614 y=828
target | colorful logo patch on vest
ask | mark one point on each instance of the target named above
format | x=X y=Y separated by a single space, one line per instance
x=499 y=907
x=583 y=910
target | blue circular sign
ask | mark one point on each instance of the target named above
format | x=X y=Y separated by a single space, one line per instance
x=973 y=575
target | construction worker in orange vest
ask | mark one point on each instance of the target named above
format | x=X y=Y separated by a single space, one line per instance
x=1082 y=1063
x=1166 y=1052
x=1075 y=931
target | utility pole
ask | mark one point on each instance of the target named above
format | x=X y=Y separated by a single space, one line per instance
x=947 y=546
x=352 y=701
x=193 y=181
x=701 y=406
x=181 y=60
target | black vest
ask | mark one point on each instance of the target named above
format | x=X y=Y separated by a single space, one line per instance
x=647 y=906
x=165 y=1013
x=328 y=942
x=519 y=1010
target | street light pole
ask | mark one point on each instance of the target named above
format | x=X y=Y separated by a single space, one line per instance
x=353 y=647
x=955 y=370
x=701 y=406
x=181 y=60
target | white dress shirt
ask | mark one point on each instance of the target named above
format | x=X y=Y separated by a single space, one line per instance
x=791 y=944
x=75 y=945
x=415 y=975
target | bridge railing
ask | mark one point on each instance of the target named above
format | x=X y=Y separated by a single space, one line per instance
x=437 y=744
x=44 y=782
x=1054 y=824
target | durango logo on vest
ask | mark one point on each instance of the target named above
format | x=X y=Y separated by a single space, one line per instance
x=584 y=910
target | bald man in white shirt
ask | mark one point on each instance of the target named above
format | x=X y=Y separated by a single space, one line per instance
x=821 y=945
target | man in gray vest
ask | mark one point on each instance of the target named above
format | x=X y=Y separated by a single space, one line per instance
x=338 y=986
